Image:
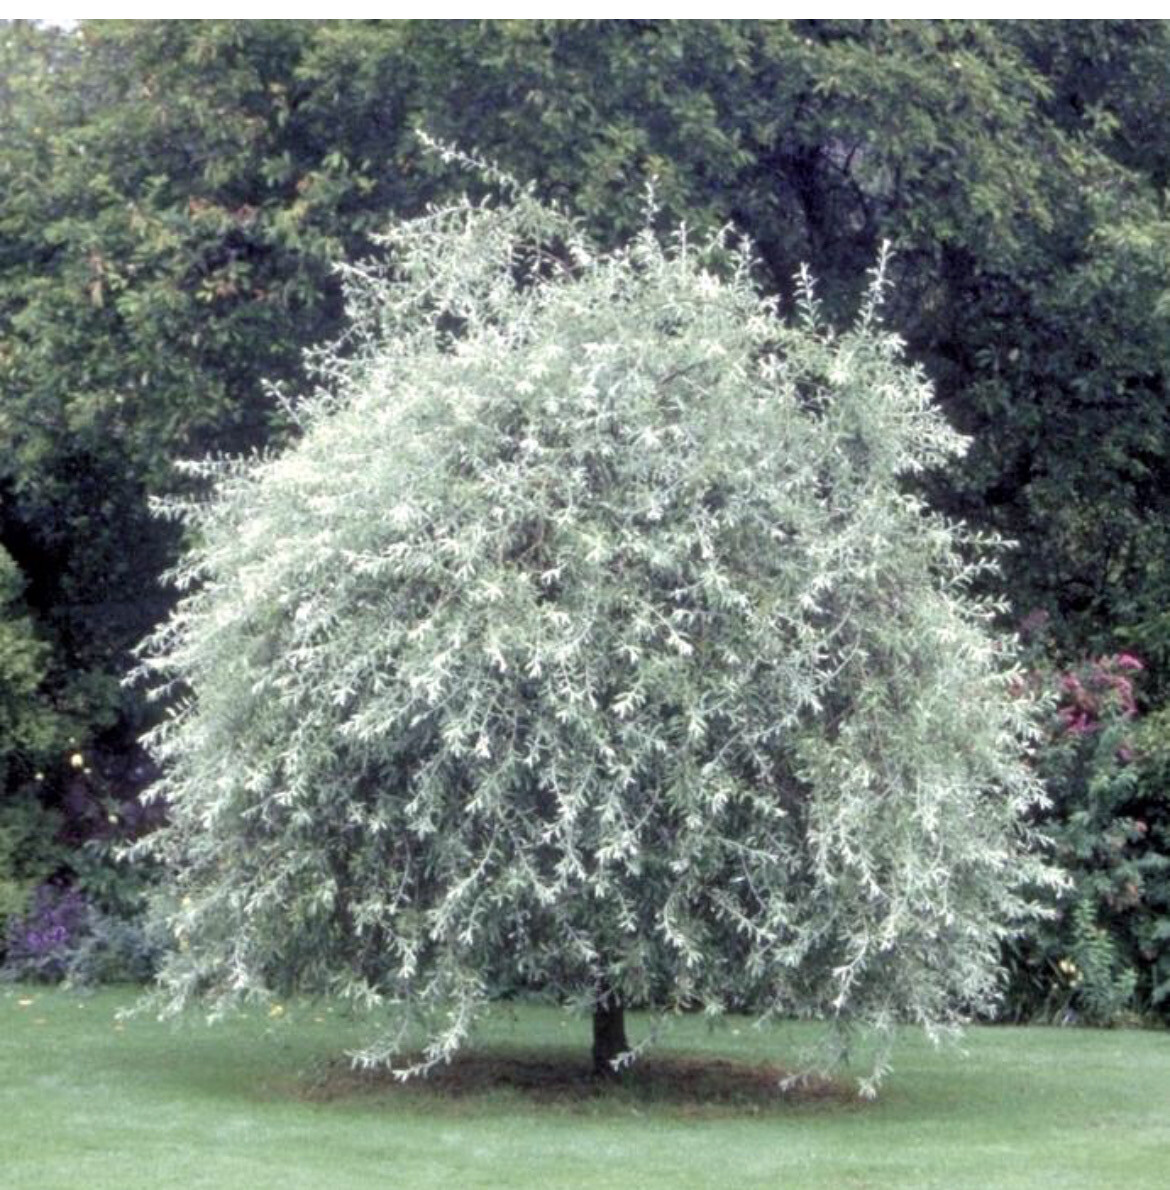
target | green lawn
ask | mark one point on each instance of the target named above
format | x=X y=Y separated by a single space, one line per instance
x=88 y=1102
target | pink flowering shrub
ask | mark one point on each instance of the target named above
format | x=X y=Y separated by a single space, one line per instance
x=1097 y=692
x=1106 y=950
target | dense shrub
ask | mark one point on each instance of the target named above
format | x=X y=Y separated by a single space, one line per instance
x=1104 y=953
x=41 y=939
x=28 y=855
x=69 y=907
x=1151 y=929
x=64 y=935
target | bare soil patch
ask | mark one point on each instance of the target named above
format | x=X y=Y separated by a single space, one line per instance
x=690 y=1084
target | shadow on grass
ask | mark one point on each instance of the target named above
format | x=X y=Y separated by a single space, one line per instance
x=675 y=1083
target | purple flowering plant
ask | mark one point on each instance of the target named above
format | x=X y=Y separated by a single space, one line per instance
x=40 y=942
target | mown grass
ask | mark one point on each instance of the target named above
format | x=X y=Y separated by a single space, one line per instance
x=89 y=1101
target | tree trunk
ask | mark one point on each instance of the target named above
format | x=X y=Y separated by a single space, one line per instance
x=609 y=1029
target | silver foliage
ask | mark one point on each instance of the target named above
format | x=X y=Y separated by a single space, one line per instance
x=589 y=629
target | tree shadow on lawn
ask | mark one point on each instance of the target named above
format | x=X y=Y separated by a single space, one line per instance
x=692 y=1086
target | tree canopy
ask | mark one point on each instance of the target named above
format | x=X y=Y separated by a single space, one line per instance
x=173 y=195
x=587 y=640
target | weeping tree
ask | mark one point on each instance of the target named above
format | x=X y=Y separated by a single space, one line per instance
x=589 y=640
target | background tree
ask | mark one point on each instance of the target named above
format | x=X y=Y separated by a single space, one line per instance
x=28 y=733
x=172 y=195
x=587 y=640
